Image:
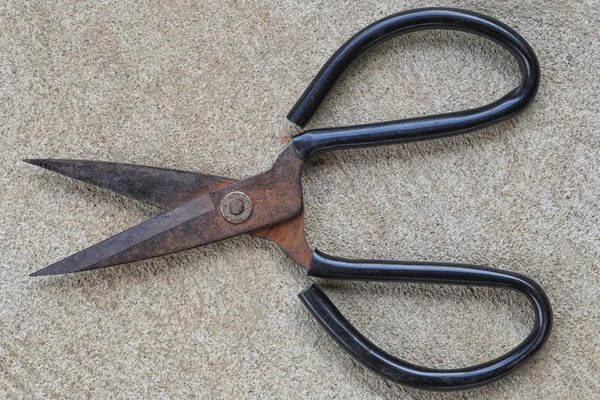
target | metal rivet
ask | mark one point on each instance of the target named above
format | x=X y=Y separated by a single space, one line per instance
x=236 y=207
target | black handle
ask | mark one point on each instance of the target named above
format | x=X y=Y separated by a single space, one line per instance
x=312 y=142
x=405 y=373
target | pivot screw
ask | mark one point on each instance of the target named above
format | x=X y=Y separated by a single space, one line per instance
x=236 y=207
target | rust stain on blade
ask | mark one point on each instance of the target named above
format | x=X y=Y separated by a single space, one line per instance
x=289 y=236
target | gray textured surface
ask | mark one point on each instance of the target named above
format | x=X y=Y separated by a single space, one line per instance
x=206 y=86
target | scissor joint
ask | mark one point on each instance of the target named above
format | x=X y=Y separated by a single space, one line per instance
x=236 y=207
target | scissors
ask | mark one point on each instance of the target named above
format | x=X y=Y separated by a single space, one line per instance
x=202 y=209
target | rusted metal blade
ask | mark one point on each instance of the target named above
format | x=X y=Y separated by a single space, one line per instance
x=276 y=196
x=179 y=229
x=160 y=187
x=167 y=189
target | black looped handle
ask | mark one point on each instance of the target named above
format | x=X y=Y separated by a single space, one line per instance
x=405 y=373
x=312 y=142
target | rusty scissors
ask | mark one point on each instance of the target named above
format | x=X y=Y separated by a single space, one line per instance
x=202 y=209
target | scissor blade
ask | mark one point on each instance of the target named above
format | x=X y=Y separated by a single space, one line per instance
x=164 y=188
x=179 y=229
x=276 y=196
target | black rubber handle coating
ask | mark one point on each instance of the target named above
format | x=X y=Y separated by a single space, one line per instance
x=312 y=142
x=405 y=373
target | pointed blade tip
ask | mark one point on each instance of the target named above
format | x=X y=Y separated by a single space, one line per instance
x=45 y=272
x=39 y=273
x=38 y=162
x=54 y=269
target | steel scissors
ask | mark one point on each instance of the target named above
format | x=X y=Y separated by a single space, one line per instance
x=202 y=209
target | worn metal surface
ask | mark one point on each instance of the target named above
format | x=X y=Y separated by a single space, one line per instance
x=164 y=188
x=276 y=196
x=289 y=236
x=236 y=207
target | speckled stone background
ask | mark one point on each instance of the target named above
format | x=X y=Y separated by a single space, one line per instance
x=206 y=86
